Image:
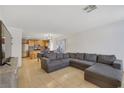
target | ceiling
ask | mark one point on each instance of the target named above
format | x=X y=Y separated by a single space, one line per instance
x=59 y=19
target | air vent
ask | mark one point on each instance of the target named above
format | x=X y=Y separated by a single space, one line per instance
x=90 y=8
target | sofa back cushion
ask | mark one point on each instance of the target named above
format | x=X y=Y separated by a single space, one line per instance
x=72 y=55
x=80 y=56
x=51 y=56
x=59 y=55
x=48 y=55
x=106 y=59
x=66 y=55
x=90 y=57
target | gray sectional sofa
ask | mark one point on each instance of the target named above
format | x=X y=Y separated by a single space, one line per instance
x=102 y=70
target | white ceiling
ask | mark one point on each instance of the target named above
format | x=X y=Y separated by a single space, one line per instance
x=59 y=19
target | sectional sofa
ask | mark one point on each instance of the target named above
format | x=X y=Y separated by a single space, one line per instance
x=102 y=70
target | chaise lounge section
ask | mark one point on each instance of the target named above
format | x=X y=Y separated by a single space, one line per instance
x=107 y=72
x=103 y=75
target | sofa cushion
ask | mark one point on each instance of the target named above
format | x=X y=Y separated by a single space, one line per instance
x=52 y=56
x=59 y=55
x=106 y=59
x=66 y=55
x=80 y=56
x=58 y=63
x=65 y=60
x=90 y=57
x=81 y=62
x=72 y=55
x=47 y=56
x=105 y=73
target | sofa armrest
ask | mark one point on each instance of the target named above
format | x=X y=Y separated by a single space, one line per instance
x=45 y=60
x=44 y=63
x=118 y=64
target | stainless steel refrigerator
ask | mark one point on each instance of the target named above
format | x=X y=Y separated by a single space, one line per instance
x=25 y=50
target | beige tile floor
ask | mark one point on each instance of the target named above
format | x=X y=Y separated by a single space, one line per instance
x=32 y=76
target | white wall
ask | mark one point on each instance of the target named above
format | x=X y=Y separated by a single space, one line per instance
x=107 y=39
x=1 y=14
x=16 y=43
